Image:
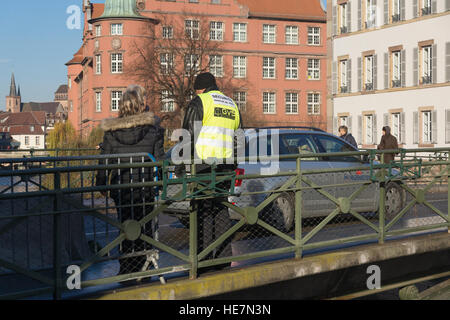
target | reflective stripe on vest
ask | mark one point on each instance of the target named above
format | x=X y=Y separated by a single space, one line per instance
x=220 y=120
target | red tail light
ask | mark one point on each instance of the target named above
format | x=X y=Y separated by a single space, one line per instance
x=239 y=172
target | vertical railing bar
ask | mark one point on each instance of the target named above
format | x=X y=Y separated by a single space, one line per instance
x=298 y=211
x=119 y=210
x=107 y=207
x=193 y=245
x=27 y=225
x=40 y=220
x=57 y=240
x=382 y=207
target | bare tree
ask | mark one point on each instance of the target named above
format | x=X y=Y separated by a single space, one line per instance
x=167 y=62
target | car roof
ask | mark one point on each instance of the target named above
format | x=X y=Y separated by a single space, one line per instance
x=253 y=132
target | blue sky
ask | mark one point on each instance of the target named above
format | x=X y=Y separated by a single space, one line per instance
x=35 y=45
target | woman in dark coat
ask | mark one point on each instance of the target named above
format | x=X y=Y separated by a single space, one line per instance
x=134 y=131
x=388 y=142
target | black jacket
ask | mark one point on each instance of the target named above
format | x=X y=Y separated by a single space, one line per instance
x=140 y=133
x=350 y=139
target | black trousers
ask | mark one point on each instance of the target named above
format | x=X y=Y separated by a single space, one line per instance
x=134 y=210
x=213 y=220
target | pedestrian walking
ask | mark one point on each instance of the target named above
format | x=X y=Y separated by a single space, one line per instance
x=388 y=142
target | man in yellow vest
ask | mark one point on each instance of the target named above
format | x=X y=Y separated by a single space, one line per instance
x=219 y=118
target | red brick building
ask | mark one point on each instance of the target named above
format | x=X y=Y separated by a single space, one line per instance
x=275 y=52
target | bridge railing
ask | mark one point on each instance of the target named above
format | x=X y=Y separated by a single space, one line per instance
x=54 y=215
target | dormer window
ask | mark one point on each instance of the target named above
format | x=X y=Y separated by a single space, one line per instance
x=32 y=128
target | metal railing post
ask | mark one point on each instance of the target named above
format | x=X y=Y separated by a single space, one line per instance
x=382 y=208
x=193 y=226
x=298 y=211
x=448 y=190
x=57 y=238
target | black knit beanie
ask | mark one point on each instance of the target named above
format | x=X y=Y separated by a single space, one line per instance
x=204 y=81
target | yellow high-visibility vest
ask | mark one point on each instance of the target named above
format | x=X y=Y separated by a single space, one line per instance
x=220 y=120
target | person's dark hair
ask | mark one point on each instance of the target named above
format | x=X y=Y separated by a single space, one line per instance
x=387 y=130
x=204 y=81
x=343 y=128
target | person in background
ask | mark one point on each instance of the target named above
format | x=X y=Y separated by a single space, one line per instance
x=388 y=142
x=134 y=131
x=345 y=135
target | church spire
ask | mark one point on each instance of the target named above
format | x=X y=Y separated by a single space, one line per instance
x=12 y=88
x=18 y=91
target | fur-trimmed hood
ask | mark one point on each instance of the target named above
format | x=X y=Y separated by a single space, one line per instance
x=137 y=120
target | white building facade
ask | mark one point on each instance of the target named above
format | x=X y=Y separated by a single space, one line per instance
x=390 y=66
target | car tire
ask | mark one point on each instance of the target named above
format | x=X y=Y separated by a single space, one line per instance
x=394 y=200
x=282 y=212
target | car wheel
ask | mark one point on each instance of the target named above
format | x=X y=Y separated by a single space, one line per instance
x=282 y=213
x=394 y=200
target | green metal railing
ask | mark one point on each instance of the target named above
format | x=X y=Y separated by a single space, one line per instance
x=406 y=169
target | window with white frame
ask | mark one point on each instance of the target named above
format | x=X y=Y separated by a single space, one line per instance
x=240 y=98
x=313 y=35
x=216 y=30
x=98 y=102
x=396 y=10
x=427 y=127
x=291 y=68
x=166 y=61
x=191 y=63
x=269 y=102
x=115 y=100
x=313 y=69
x=343 y=121
x=116 y=63
x=291 y=103
x=343 y=18
x=396 y=69
x=116 y=29
x=343 y=76
x=370 y=13
x=314 y=103
x=27 y=140
x=427 y=64
x=426 y=7
x=167 y=32
x=268 y=68
x=269 y=33
x=239 y=32
x=369 y=129
x=239 y=67
x=167 y=102
x=98 y=30
x=38 y=140
x=291 y=35
x=192 y=28
x=368 y=72
x=396 y=125
x=216 y=65
x=98 y=64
